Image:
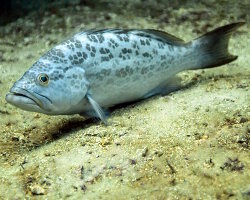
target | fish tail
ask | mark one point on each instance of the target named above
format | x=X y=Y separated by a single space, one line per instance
x=211 y=49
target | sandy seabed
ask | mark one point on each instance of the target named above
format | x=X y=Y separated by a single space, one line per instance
x=191 y=144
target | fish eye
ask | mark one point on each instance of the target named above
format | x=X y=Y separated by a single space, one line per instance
x=43 y=79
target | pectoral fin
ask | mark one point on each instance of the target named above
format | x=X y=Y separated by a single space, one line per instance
x=97 y=108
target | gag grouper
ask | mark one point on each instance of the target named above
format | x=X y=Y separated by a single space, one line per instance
x=98 y=69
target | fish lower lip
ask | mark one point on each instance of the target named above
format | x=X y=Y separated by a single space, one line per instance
x=11 y=96
x=23 y=95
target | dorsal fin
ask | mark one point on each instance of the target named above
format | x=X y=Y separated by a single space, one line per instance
x=150 y=33
x=171 y=39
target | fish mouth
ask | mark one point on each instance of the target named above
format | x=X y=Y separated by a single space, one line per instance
x=26 y=100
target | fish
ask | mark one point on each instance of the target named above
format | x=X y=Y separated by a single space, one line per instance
x=98 y=69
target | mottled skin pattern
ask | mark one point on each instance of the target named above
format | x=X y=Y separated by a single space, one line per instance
x=111 y=67
x=125 y=66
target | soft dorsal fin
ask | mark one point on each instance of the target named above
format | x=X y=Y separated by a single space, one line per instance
x=171 y=39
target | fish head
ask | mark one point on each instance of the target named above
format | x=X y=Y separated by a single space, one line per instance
x=49 y=88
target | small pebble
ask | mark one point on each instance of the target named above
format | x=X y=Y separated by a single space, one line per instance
x=142 y=152
x=122 y=134
x=243 y=120
x=132 y=161
x=145 y=152
x=83 y=187
x=37 y=190
x=159 y=153
x=117 y=142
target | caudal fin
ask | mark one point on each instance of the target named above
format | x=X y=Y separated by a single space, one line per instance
x=211 y=48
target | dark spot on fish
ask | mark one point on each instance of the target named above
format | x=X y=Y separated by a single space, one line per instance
x=93 y=49
x=129 y=70
x=100 y=38
x=75 y=62
x=111 y=56
x=146 y=54
x=59 y=53
x=52 y=52
x=102 y=51
x=147 y=42
x=126 y=38
x=104 y=58
x=78 y=44
x=161 y=46
x=113 y=44
x=171 y=59
x=112 y=41
x=163 y=64
x=163 y=57
x=119 y=37
x=72 y=82
x=170 y=48
x=135 y=45
x=65 y=69
x=93 y=37
x=144 y=70
x=155 y=51
x=105 y=72
x=124 y=50
x=121 y=73
x=61 y=76
x=142 y=42
x=88 y=47
x=71 y=46
x=89 y=38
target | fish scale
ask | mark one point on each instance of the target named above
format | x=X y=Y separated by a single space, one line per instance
x=98 y=69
